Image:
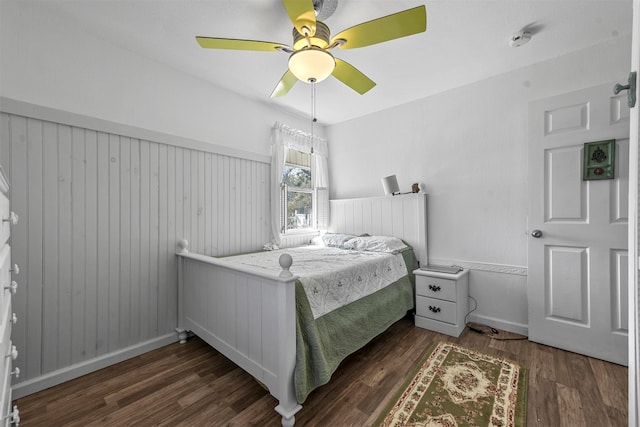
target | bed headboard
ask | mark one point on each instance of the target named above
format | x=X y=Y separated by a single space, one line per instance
x=403 y=216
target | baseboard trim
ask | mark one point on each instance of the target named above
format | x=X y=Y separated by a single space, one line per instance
x=51 y=379
x=516 y=328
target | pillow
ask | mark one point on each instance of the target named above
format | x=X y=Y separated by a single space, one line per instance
x=336 y=240
x=317 y=241
x=387 y=244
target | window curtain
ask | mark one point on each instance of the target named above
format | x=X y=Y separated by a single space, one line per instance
x=282 y=138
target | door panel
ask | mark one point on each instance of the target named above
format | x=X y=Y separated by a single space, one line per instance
x=576 y=283
x=566 y=197
x=620 y=280
x=620 y=187
x=567 y=282
x=569 y=118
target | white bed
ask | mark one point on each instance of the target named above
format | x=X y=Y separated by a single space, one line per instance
x=249 y=313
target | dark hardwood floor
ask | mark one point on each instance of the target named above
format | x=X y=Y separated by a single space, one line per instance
x=193 y=385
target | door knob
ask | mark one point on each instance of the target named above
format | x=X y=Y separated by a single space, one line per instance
x=536 y=233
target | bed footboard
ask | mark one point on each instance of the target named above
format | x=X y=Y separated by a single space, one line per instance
x=246 y=314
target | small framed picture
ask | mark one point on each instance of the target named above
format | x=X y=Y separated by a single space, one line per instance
x=599 y=160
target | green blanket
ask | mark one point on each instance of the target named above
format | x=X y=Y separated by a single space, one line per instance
x=326 y=341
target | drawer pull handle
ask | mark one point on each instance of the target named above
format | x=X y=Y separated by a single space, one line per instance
x=14 y=417
x=13 y=354
x=14 y=319
x=13 y=218
x=13 y=287
x=434 y=288
x=15 y=269
x=434 y=309
x=16 y=372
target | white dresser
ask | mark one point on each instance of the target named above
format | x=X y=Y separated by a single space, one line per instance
x=442 y=301
x=8 y=352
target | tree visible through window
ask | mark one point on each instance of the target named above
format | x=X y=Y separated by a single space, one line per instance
x=298 y=191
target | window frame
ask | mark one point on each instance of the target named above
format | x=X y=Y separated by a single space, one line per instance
x=284 y=197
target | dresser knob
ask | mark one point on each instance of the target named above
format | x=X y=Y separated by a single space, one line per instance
x=15 y=269
x=14 y=319
x=13 y=287
x=13 y=218
x=434 y=309
x=434 y=288
x=13 y=354
x=16 y=372
x=14 y=417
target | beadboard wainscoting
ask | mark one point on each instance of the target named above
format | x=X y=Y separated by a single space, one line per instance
x=101 y=208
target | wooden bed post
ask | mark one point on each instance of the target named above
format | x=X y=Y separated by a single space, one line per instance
x=288 y=405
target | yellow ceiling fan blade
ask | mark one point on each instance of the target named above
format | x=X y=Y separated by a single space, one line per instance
x=352 y=77
x=284 y=85
x=302 y=15
x=401 y=24
x=237 y=44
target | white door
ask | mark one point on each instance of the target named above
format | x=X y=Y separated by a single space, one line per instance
x=578 y=258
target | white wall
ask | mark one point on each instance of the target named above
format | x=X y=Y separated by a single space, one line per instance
x=51 y=61
x=469 y=146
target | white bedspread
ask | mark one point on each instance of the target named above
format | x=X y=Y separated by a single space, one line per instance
x=333 y=277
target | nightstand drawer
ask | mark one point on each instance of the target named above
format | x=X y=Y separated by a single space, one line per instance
x=436 y=287
x=444 y=311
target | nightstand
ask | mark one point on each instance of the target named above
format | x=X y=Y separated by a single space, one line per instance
x=442 y=301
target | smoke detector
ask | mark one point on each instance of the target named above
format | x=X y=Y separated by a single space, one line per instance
x=519 y=38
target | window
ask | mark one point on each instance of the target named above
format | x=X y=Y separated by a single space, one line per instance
x=299 y=183
x=296 y=192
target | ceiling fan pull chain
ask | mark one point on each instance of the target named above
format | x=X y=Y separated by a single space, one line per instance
x=313 y=112
x=313 y=102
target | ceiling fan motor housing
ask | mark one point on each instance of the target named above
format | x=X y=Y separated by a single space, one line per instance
x=319 y=39
x=324 y=8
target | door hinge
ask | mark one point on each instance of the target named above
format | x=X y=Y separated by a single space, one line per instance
x=630 y=87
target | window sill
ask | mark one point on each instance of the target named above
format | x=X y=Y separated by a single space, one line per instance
x=300 y=232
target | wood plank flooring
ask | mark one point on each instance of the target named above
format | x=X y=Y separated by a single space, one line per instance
x=193 y=385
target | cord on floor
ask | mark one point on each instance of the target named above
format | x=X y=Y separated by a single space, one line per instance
x=490 y=332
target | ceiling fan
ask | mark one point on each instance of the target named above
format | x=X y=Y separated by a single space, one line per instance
x=310 y=60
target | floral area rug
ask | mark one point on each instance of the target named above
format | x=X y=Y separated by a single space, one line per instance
x=456 y=387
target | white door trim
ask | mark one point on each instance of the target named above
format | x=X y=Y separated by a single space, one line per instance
x=634 y=228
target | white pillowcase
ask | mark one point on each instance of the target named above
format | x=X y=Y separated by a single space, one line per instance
x=317 y=241
x=336 y=240
x=375 y=244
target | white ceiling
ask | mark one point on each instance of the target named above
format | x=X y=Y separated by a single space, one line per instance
x=465 y=41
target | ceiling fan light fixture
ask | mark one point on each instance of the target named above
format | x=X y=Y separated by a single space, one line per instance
x=311 y=65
